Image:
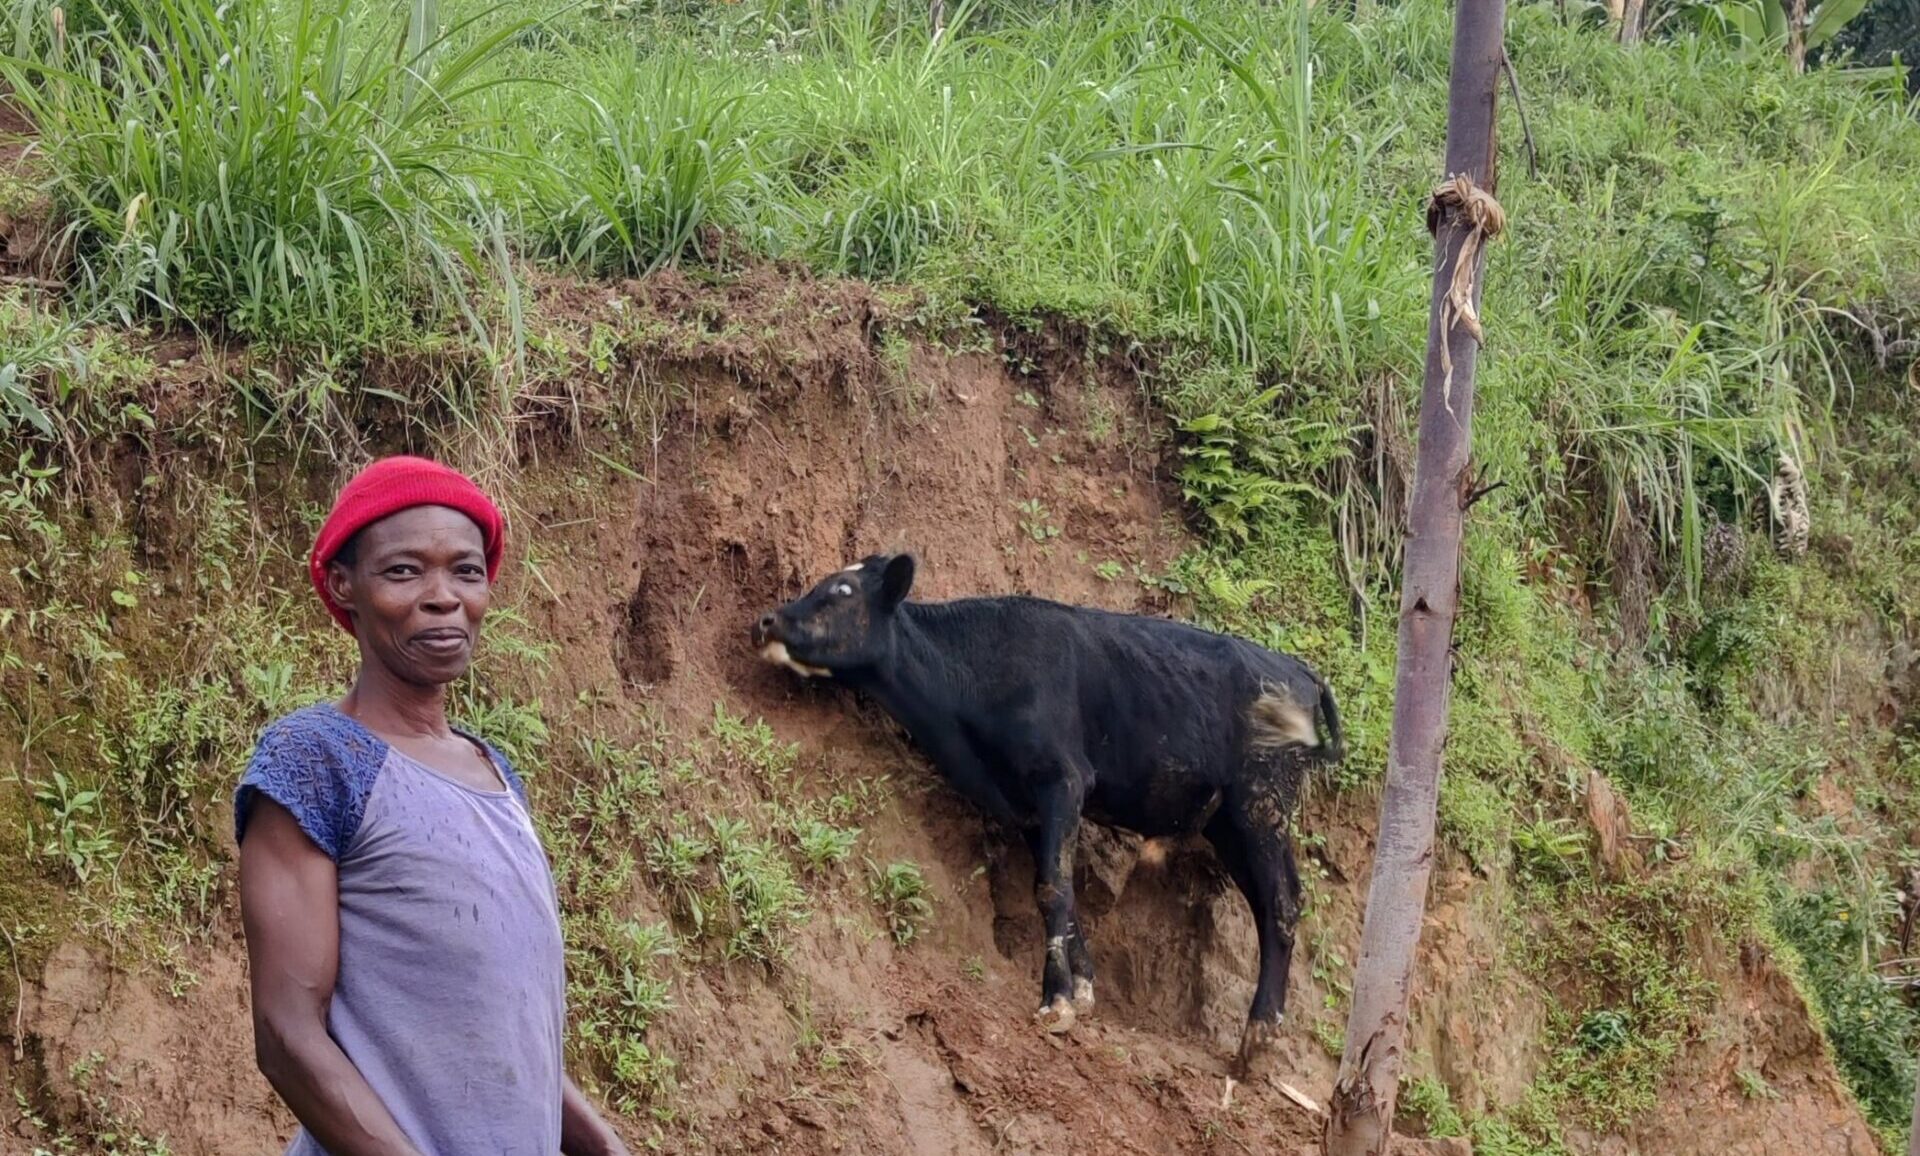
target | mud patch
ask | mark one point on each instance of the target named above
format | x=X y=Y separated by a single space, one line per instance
x=114 y=1049
x=643 y=650
x=1789 y=1100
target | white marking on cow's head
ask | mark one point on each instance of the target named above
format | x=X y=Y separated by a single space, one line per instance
x=1153 y=852
x=776 y=653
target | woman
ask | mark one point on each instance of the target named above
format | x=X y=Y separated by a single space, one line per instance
x=408 y=978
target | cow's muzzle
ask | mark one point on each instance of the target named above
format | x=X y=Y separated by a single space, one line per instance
x=766 y=630
x=770 y=639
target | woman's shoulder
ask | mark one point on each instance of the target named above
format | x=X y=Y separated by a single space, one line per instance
x=319 y=764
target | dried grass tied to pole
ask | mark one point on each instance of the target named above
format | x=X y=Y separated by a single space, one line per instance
x=1487 y=220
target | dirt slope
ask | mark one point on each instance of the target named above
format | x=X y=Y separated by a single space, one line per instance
x=805 y=443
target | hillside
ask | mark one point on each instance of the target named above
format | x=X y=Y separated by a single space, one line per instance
x=1109 y=304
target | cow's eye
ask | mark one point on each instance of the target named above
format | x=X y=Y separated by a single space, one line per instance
x=843 y=590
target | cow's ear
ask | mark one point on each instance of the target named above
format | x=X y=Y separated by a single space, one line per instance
x=896 y=580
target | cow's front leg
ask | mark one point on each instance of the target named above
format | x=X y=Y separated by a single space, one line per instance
x=1052 y=842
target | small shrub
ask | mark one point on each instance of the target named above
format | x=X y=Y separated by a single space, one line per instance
x=1874 y=1032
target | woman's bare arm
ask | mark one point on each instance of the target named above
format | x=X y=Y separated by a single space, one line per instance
x=290 y=904
x=583 y=1131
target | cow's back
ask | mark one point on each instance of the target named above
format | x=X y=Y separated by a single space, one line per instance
x=1158 y=709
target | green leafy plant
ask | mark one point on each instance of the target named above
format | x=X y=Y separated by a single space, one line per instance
x=1035 y=521
x=1237 y=462
x=900 y=891
x=73 y=833
x=1763 y=23
x=824 y=845
x=1552 y=849
x=1428 y=1100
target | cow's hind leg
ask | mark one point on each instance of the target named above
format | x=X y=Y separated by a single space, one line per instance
x=1258 y=854
x=1080 y=960
x=1052 y=842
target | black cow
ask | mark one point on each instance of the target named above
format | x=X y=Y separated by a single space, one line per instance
x=1041 y=713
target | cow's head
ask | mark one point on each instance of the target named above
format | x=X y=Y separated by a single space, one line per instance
x=842 y=624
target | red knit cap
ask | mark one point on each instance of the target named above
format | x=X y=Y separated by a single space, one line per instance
x=387 y=487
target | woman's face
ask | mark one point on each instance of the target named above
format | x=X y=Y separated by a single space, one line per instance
x=417 y=589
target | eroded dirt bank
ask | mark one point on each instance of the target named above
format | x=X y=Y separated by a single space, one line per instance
x=797 y=441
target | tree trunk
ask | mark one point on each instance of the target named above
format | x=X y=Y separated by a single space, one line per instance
x=1360 y=1120
x=1797 y=36
x=1632 y=14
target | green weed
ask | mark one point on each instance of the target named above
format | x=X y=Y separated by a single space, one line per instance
x=1428 y=1100
x=73 y=833
x=900 y=891
x=824 y=845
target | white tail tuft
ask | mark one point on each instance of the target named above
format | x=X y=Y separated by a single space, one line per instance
x=1276 y=721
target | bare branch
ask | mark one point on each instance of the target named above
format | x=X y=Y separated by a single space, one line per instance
x=1526 y=123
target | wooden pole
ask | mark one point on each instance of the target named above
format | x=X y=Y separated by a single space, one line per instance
x=1463 y=217
x=1913 y=1128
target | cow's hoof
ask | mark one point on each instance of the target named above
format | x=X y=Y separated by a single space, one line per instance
x=1057 y=1017
x=1083 y=995
x=1256 y=1049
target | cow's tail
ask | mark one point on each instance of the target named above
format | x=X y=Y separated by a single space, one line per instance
x=1333 y=740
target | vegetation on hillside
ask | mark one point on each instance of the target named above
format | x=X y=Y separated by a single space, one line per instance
x=1712 y=271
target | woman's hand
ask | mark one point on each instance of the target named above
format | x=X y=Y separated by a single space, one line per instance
x=583 y=1131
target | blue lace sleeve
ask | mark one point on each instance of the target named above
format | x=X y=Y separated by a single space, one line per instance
x=318 y=764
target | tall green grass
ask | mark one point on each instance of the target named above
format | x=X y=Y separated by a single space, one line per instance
x=1248 y=180
x=287 y=174
x=1678 y=302
x=644 y=171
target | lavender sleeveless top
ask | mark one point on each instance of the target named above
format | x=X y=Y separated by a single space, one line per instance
x=451 y=996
